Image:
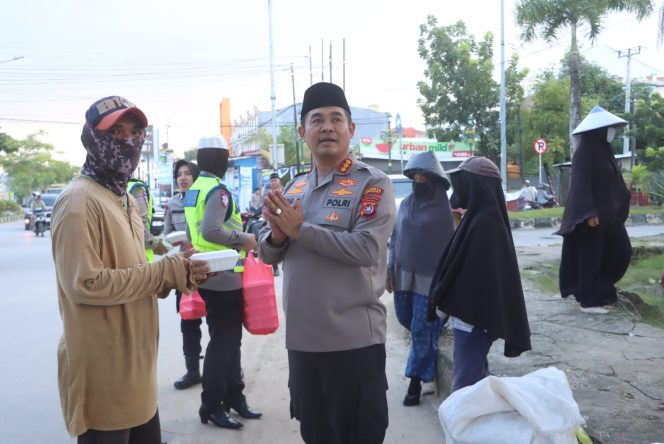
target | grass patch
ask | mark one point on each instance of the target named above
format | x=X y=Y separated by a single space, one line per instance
x=641 y=278
x=558 y=212
x=536 y=214
x=545 y=277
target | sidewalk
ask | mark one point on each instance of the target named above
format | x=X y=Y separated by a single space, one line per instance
x=554 y=222
x=614 y=365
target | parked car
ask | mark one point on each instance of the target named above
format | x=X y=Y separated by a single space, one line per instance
x=402 y=187
x=49 y=200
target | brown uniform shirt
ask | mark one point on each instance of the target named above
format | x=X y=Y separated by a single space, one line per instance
x=334 y=273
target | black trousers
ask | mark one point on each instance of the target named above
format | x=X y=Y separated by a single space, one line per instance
x=222 y=369
x=148 y=433
x=191 y=332
x=339 y=397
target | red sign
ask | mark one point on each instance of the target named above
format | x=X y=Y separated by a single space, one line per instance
x=540 y=146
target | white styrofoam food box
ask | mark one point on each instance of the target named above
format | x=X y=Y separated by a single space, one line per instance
x=218 y=260
x=175 y=237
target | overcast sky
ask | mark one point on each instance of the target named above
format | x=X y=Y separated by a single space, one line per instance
x=176 y=60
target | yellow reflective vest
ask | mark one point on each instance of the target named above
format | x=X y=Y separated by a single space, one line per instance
x=194 y=212
x=131 y=186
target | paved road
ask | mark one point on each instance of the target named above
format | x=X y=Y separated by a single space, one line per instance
x=525 y=237
x=30 y=330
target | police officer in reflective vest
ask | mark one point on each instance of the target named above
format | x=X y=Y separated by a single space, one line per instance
x=141 y=193
x=213 y=224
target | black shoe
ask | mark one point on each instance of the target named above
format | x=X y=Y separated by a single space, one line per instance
x=244 y=411
x=189 y=379
x=275 y=272
x=414 y=391
x=219 y=417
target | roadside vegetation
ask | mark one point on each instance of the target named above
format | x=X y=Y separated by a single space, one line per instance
x=558 y=212
x=641 y=295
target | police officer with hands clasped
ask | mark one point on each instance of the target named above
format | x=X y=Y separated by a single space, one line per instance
x=330 y=227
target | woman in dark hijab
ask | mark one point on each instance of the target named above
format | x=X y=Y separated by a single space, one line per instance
x=596 y=248
x=477 y=281
x=423 y=229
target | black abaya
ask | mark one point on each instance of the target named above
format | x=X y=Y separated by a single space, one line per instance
x=594 y=259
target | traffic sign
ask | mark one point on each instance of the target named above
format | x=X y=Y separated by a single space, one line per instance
x=398 y=123
x=540 y=146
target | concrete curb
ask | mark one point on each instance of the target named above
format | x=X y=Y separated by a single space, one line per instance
x=10 y=218
x=612 y=361
x=554 y=222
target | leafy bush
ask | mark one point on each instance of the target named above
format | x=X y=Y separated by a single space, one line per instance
x=9 y=206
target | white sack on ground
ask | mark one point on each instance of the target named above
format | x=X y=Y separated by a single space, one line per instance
x=537 y=408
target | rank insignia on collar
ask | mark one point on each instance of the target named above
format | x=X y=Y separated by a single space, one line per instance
x=342 y=192
x=347 y=182
x=345 y=165
x=332 y=217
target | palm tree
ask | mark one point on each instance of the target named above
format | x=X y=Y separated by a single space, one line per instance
x=551 y=18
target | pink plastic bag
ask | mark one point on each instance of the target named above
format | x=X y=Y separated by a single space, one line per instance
x=192 y=306
x=260 y=302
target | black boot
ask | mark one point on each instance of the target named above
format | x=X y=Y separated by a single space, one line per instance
x=243 y=410
x=193 y=375
x=414 y=391
x=218 y=417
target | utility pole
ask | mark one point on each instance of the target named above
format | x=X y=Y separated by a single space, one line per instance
x=343 y=65
x=273 y=96
x=297 y=143
x=322 y=61
x=330 y=61
x=503 y=118
x=311 y=72
x=629 y=52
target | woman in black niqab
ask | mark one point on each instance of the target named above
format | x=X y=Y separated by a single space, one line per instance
x=477 y=280
x=596 y=248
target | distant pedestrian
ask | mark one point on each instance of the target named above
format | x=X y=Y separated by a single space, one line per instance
x=528 y=192
x=423 y=230
x=596 y=248
x=184 y=175
x=107 y=292
x=477 y=281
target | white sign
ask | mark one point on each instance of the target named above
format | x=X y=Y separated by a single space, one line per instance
x=540 y=146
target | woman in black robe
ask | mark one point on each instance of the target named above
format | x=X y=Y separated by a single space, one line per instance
x=477 y=281
x=596 y=248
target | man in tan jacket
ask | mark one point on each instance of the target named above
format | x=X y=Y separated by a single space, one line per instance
x=107 y=292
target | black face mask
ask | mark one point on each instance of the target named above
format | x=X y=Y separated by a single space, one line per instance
x=423 y=189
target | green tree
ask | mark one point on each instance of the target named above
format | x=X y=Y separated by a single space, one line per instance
x=190 y=154
x=459 y=86
x=648 y=124
x=288 y=137
x=7 y=144
x=30 y=166
x=550 y=19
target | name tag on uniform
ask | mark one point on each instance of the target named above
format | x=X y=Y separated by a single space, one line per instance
x=190 y=198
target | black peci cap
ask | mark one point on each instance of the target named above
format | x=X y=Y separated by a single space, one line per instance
x=323 y=94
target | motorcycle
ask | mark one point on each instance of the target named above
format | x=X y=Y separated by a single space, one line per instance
x=252 y=220
x=41 y=222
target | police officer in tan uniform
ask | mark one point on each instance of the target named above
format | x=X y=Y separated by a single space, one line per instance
x=330 y=228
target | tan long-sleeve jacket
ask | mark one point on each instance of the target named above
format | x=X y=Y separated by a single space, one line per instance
x=107 y=295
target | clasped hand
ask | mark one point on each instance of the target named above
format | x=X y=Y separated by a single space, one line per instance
x=285 y=219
